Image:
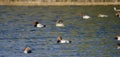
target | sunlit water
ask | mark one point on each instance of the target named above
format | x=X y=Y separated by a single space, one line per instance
x=93 y=37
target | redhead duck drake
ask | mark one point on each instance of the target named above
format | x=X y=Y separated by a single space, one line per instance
x=85 y=16
x=60 y=40
x=118 y=14
x=27 y=50
x=37 y=24
x=59 y=23
x=117 y=37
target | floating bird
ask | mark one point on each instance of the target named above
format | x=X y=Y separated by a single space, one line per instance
x=85 y=16
x=60 y=40
x=37 y=24
x=27 y=50
x=115 y=9
x=102 y=15
x=118 y=14
x=117 y=37
x=59 y=23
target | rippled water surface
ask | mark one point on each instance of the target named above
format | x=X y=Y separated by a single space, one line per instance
x=93 y=37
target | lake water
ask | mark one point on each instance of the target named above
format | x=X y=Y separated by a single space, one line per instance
x=93 y=37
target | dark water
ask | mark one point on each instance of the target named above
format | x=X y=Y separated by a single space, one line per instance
x=90 y=38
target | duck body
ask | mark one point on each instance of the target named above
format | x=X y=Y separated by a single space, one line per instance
x=118 y=14
x=40 y=25
x=59 y=23
x=102 y=15
x=63 y=41
x=118 y=46
x=85 y=17
x=37 y=24
x=60 y=40
x=27 y=50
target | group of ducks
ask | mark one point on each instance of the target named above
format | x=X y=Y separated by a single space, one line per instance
x=118 y=38
x=60 y=40
x=117 y=12
x=59 y=23
x=84 y=16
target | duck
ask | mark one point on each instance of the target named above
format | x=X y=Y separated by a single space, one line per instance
x=102 y=15
x=118 y=46
x=27 y=50
x=37 y=24
x=118 y=14
x=59 y=23
x=117 y=37
x=115 y=9
x=60 y=40
x=85 y=16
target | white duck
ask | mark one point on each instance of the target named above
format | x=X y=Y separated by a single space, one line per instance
x=117 y=37
x=115 y=9
x=102 y=15
x=59 y=23
x=37 y=24
x=27 y=50
x=85 y=16
x=60 y=40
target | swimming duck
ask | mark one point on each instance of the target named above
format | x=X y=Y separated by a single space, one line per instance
x=37 y=24
x=117 y=37
x=27 y=50
x=102 y=15
x=59 y=23
x=115 y=9
x=85 y=16
x=60 y=40
x=118 y=46
x=118 y=14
